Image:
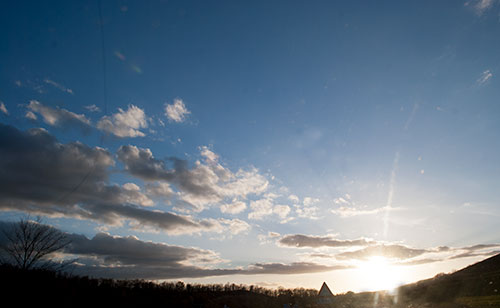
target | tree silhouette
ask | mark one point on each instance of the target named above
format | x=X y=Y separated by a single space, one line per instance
x=30 y=244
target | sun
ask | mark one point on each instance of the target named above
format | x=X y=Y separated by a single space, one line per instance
x=377 y=273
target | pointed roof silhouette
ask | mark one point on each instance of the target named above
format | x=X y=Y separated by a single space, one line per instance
x=325 y=290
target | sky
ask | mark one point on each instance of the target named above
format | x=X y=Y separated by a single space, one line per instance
x=277 y=143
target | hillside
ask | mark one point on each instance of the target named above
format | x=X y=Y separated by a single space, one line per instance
x=476 y=283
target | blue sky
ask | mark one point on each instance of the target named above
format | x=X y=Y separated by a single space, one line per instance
x=288 y=142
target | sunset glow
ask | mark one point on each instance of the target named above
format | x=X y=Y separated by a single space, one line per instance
x=276 y=143
x=377 y=273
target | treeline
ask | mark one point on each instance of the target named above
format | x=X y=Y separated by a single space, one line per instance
x=61 y=289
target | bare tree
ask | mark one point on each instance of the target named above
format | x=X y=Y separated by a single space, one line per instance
x=31 y=244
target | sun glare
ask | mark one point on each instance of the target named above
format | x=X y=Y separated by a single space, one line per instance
x=377 y=273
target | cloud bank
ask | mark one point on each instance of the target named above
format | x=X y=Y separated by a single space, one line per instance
x=41 y=175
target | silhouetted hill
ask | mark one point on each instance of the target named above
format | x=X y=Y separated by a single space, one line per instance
x=44 y=287
x=479 y=281
x=476 y=286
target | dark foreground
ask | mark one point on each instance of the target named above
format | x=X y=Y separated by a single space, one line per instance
x=476 y=286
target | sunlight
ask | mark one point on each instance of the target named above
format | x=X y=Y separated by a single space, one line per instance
x=377 y=273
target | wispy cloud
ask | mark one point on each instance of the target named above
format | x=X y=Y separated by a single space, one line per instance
x=344 y=211
x=346 y=207
x=120 y=56
x=267 y=238
x=365 y=249
x=388 y=251
x=480 y=6
x=311 y=241
x=57 y=116
x=92 y=108
x=58 y=86
x=177 y=111
x=484 y=78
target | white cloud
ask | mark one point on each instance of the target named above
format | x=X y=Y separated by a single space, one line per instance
x=260 y=209
x=310 y=212
x=307 y=208
x=340 y=200
x=30 y=115
x=235 y=207
x=93 y=108
x=125 y=123
x=485 y=77
x=281 y=210
x=294 y=198
x=265 y=207
x=308 y=201
x=177 y=111
x=210 y=156
x=235 y=226
x=3 y=108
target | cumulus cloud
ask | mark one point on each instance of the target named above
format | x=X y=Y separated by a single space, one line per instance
x=3 y=108
x=41 y=176
x=177 y=111
x=300 y=240
x=266 y=206
x=57 y=116
x=308 y=212
x=261 y=208
x=132 y=194
x=207 y=182
x=160 y=189
x=125 y=123
x=307 y=209
x=281 y=210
